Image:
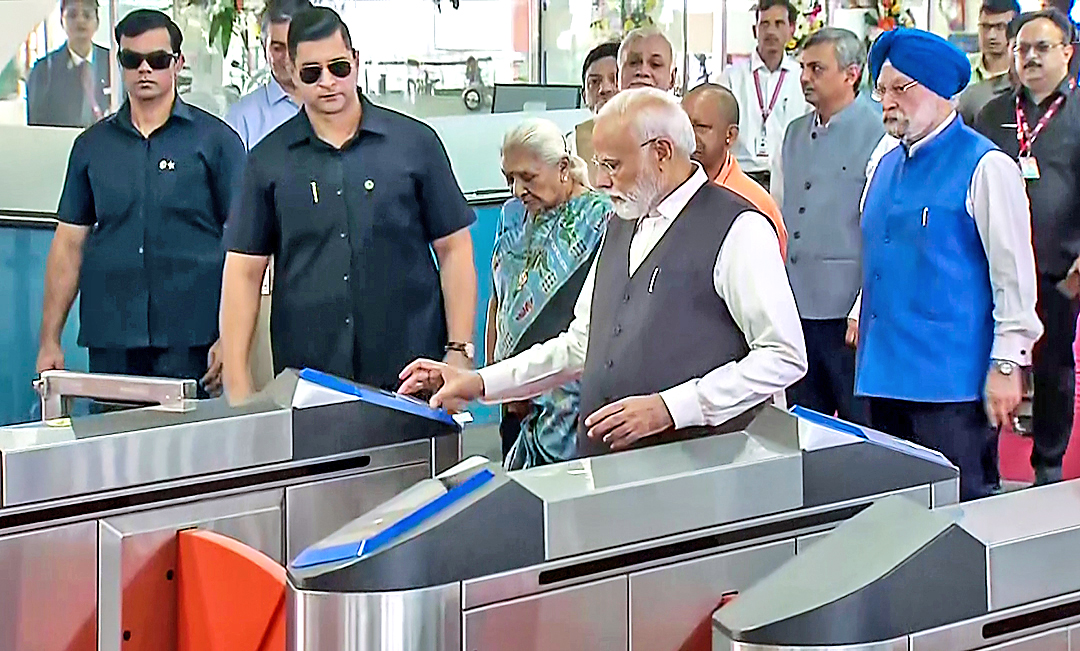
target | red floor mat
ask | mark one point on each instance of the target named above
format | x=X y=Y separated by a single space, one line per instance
x=1015 y=457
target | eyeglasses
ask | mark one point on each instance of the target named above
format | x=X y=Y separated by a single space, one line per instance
x=879 y=92
x=310 y=74
x=1042 y=48
x=611 y=166
x=158 y=60
x=994 y=27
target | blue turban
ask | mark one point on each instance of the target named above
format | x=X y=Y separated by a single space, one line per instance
x=927 y=58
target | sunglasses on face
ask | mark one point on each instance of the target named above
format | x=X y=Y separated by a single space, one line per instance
x=158 y=60
x=311 y=73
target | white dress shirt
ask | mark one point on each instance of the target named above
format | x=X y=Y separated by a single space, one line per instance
x=790 y=104
x=748 y=275
x=997 y=201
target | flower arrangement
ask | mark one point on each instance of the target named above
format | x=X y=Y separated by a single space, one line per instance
x=889 y=14
x=810 y=18
x=612 y=18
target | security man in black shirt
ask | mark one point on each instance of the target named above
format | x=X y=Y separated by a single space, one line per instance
x=1039 y=125
x=141 y=219
x=350 y=199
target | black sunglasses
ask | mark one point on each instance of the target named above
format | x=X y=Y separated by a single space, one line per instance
x=158 y=60
x=312 y=73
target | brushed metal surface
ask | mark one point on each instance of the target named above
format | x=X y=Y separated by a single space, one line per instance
x=607 y=501
x=417 y=620
x=899 y=644
x=591 y=616
x=671 y=607
x=1049 y=641
x=317 y=509
x=968 y=633
x=48 y=589
x=56 y=388
x=945 y=493
x=1074 y=638
x=445 y=452
x=1021 y=530
x=526 y=581
x=143 y=547
x=126 y=459
x=802 y=543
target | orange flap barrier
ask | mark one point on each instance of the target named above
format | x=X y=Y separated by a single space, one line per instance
x=230 y=597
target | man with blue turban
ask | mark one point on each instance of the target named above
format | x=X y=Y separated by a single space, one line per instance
x=947 y=316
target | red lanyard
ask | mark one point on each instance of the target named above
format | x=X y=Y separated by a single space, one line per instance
x=766 y=112
x=1024 y=135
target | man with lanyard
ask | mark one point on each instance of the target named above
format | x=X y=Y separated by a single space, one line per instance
x=70 y=86
x=947 y=312
x=141 y=217
x=1039 y=126
x=351 y=200
x=268 y=106
x=992 y=64
x=768 y=83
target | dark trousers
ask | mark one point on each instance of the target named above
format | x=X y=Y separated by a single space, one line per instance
x=958 y=430
x=829 y=384
x=1052 y=368
x=184 y=363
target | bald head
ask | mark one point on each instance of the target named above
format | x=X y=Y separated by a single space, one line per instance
x=714 y=114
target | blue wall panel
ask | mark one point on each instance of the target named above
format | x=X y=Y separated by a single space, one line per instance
x=22 y=279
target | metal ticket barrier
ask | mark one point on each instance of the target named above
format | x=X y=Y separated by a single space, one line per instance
x=1000 y=573
x=90 y=506
x=632 y=550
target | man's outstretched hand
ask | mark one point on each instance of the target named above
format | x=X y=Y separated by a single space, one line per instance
x=452 y=387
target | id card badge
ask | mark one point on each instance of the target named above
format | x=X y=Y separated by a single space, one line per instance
x=1029 y=168
x=761 y=145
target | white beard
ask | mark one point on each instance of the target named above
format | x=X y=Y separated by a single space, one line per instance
x=642 y=199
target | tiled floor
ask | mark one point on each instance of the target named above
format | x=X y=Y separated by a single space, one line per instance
x=482 y=440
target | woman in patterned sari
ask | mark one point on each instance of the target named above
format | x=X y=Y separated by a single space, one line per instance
x=544 y=245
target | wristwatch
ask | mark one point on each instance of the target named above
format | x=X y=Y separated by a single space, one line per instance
x=466 y=349
x=1003 y=366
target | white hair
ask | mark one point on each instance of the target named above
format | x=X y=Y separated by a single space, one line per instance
x=642 y=33
x=653 y=114
x=545 y=141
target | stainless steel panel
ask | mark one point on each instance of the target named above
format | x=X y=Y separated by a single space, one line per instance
x=48 y=589
x=318 y=509
x=968 y=634
x=445 y=452
x=1074 y=638
x=802 y=543
x=671 y=607
x=525 y=581
x=591 y=616
x=1021 y=529
x=899 y=644
x=143 y=547
x=57 y=387
x=945 y=493
x=416 y=620
x=607 y=501
x=126 y=459
x=1050 y=641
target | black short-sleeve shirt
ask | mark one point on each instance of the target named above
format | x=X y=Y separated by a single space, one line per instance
x=356 y=285
x=1055 y=195
x=156 y=208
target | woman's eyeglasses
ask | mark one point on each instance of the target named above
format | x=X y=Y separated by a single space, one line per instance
x=158 y=60
x=310 y=74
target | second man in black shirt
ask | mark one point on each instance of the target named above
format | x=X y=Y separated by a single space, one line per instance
x=350 y=199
